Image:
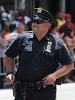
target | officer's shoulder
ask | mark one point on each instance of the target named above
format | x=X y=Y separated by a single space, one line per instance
x=55 y=38
x=26 y=34
x=58 y=41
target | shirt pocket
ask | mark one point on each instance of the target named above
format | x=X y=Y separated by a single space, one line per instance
x=27 y=46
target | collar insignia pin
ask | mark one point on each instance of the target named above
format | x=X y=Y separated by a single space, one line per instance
x=48 y=48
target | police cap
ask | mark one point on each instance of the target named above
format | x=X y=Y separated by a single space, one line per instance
x=42 y=14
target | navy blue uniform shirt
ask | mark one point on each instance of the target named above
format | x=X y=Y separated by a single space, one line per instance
x=38 y=58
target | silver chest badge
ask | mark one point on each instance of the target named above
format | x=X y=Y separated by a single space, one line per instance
x=48 y=47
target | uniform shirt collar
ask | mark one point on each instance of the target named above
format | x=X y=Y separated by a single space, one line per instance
x=45 y=38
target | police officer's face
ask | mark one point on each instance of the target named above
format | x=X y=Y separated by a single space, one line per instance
x=40 y=26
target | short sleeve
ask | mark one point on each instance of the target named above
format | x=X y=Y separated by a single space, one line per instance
x=12 y=50
x=64 y=55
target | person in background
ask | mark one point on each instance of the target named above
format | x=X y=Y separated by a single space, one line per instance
x=20 y=28
x=68 y=38
x=39 y=57
x=60 y=18
x=68 y=19
x=15 y=31
x=4 y=21
x=24 y=17
x=29 y=24
x=15 y=20
x=0 y=23
x=54 y=29
x=3 y=47
x=12 y=27
x=2 y=9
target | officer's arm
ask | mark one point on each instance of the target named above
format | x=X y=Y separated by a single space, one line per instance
x=67 y=65
x=9 y=64
x=63 y=70
x=66 y=61
x=51 y=78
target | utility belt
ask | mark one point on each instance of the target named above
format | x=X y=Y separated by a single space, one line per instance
x=22 y=86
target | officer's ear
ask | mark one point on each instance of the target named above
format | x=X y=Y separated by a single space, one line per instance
x=48 y=24
x=49 y=30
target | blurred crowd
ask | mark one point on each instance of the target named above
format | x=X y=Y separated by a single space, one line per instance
x=12 y=25
x=64 y=28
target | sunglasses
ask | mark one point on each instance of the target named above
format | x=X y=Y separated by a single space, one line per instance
x=39 y=21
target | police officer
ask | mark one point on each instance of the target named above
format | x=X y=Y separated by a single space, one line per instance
x=39 y=56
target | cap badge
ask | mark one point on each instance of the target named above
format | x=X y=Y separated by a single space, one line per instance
x=39 y=10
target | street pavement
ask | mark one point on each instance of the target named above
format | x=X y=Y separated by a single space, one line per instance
x=64 y=92
x=6 y=94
